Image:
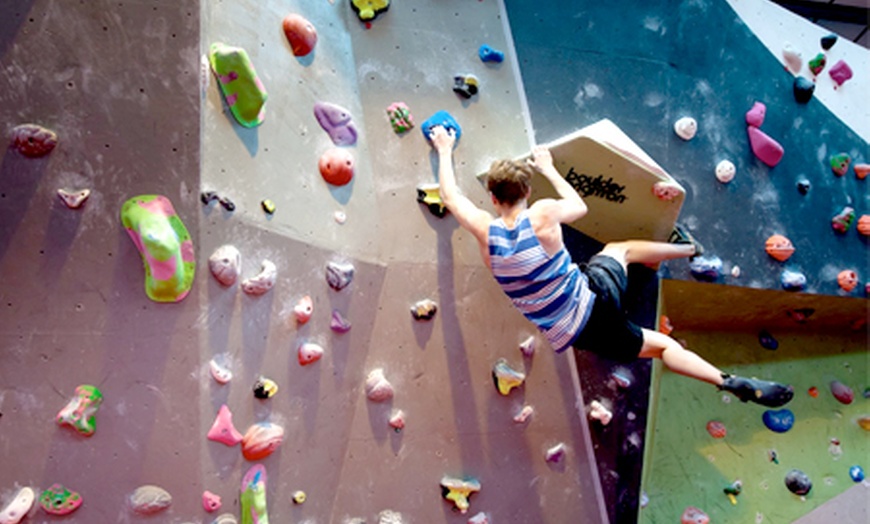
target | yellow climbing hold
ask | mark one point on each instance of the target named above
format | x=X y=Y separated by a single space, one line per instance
x=505 y=377
x=458 y=490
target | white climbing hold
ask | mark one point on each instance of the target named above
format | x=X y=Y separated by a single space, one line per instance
x=556 y=453
x=226 y=264
x=597 y=411
x=527 y=346
x=725 y=171
x=220 y=373
x=378 y=388
x=148 y=500
x=18 y=507
x=263 y=281
x=74 y=199
x=524 y=414
x=686 y=128
x=340 y=217
x=793 y=59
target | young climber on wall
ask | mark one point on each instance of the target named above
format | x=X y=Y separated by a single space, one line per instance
x=571 y=305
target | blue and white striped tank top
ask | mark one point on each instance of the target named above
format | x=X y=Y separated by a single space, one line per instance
x=549 y=291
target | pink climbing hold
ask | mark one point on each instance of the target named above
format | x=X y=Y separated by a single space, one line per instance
x=304 y=309
x=223 y=430
x=765 y=148
x=842 y=392
x=693 y=515
x=666 y=191
x=308 y=353
x=755 y=116
x=840 y=73
x=210 y=501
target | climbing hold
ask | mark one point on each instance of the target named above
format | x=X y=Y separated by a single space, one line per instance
x=210 y=501
x=524 y=414
x=847 y=280
x=207 y=197
x=813 y=392
x=338 y=323
x=384 y=517
x=840 y=163
x=226 y=203
x=527 y=346
x=666 y=191
x=735 y=271
x=755 y=115
x=430 y=194
x=793 y=280
x=842 y=392
x=397 y=420
x=621 y=377
x=798 y=482
x=840 y=73
x=488 y=54
x=223 y=430
x=338 y=275
x=299 y=497
x=400 y=117
x=765 y=148
x=32 y=140
x=220 y=373
x=253 y=497
x=828 y=41
x=226 y=518
x=771 y=456
x=716 y=429
x=665 y=325
x=239 y=83
x=803 y=89
x=336 y=166
x=337 y=123
x=803 y=186
x=309 y=352
x=18 y=507
x=817 y=63
x=779 y=420
x=300 y=33
x=262 y=281
x=75 y=198
x=424 y=309
x=864 y=225
x=443 y=119
x=708 y=269
x=599 y=412
x=340 y=217
x=864 y=422
x=465 y=86
x=261 y=440
x=732 y=490
x=164 y=244
x=268 y=206
x=693 y=515
x=148 y=500
x=226 y=264
x=766 y=340
x=855 y=472
x=793 y=59
x=57 y=500
x=779 y=247
x=555 y=453
x=80 y=412
x=861 y=171
x=686 y=128
x=834 y=448
x=800 y=315
x=368 y=10
x=378 y=388
x=480 y=518
x=458 y=491
x=505 y=377
x=725 y=171
x=842 y=221
x=265 y=388
x=303 y=309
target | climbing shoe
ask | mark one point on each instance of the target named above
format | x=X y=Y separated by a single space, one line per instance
x=681 y=235
x=770 y=394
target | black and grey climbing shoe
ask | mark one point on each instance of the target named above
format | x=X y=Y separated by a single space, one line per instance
x=681 y=235
x=770 y=394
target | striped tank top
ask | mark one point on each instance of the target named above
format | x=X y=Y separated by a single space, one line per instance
x=549 y=291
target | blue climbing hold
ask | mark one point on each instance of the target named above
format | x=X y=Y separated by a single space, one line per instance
x=793 y=280
x=441 y=118
x=857 y=473
x=779 y=420
x=488 y=54
x=766 y=340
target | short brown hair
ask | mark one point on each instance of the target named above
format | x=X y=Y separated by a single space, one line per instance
x=509 y=181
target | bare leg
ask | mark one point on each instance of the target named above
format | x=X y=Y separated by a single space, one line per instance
x=646 y=251
x=678 y=359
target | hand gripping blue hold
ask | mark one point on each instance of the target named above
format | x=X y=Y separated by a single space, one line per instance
x=441 y=118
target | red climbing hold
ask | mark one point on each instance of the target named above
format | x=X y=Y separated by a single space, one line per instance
x=300 y=33
x=693 y=515
x=716 y=429
x=842 y=392
x=336 y=166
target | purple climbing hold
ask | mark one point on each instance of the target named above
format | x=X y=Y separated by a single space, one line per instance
x=337 y=123
x=338 y=323
x=766 y=340
x=803 y=89
x=755 y=115
x=842 y=392
x=840 y=73
x=779 y=420
x=798 y=482
x=765 y=148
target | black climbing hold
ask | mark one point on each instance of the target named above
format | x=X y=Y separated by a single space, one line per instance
x=803 y=186
x=798 y=482
x=228 y=204
x=803 y=89
x=207 y=196
x=828 y=41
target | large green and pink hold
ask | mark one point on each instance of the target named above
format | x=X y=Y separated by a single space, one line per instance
x=239 y=83
x=164 y=244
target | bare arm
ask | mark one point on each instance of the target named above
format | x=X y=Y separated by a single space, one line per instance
x=469 y=216
x=570 y=205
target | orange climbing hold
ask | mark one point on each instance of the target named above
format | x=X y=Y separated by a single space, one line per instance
x=864 y=225
x=779 y=247
x=847 y=280
x=665 y=325
x=861 y=171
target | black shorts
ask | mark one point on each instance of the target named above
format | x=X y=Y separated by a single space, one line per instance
x=608 y=331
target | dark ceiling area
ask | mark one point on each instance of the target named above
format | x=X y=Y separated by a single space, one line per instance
x=847 y=18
